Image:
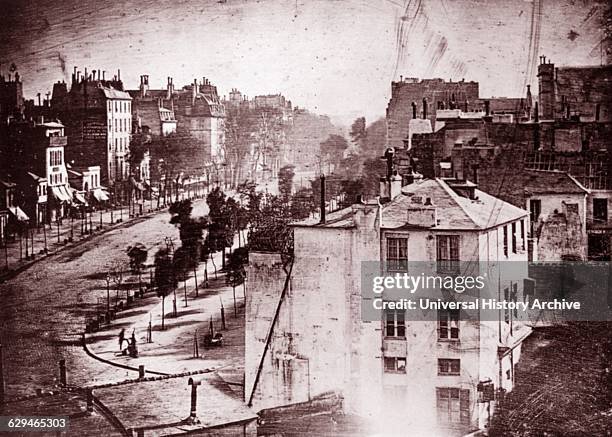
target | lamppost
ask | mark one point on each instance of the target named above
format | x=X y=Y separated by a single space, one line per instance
x=108 y=280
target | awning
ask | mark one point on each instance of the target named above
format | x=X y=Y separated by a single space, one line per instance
x=61 y=194
x=80 y=197
x=100 y=195
x=19 y=214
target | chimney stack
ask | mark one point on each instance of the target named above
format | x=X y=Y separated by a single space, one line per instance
x=424 y=108
x=322 y=204
x=414 y=110
x=487 y=108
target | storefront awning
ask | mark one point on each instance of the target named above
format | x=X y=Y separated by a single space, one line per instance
x=100 y=195
x=61 y=194
x=80 y=197
x=19 y=214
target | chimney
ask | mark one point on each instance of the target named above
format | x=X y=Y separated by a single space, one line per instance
x=322 y=204
x=170 y=88
x=103 y=75
x=536 y=113
x=414 y=110
x=118 y=74
x=144 y=85
x=424 y=108
x=395 y=186
x=487 y=104
x=194 y=90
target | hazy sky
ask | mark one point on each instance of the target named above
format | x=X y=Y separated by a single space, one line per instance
x=336 y=57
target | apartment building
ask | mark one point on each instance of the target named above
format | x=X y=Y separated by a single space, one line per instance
x=307 y=334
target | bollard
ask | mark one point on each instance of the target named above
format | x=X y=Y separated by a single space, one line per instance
x=89 y=400
x=194 y=397
x=62 y=366
x=141 y=371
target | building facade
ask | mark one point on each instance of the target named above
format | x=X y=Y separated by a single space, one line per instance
x=306 y=336
x=97 y=114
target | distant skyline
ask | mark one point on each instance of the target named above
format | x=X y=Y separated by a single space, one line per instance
x=334 y=57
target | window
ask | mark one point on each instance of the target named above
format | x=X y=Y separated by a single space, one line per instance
x=395 y=323
x=395 y=364
x=600 y=210
x=116 y=110
x=116 y=143
x=514 y=248
x=397 y=254
x=505 y=241
x=449 y=366
x=453 y=405
x=448 y=324
x=523 y=234
x=448 y=253
x=535 y=209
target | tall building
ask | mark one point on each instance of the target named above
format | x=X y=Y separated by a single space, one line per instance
x=194 y=113
x=37 y=164
x=307 y=335
x=97 y=114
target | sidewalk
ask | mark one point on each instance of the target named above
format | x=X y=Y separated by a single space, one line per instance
x=172 y=350
x=54 y=238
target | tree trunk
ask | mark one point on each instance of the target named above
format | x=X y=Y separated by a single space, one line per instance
x=195 y=278
x=185 y=288
x=212 y=258
x=163 y=311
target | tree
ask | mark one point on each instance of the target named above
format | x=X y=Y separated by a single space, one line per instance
x=358 y=132
x=138 y=256
x=302 y=204
x=236 y=273
x=181 y=264
x=332 y=150
x=191 y=234
x=164 y=277
x=285 y=181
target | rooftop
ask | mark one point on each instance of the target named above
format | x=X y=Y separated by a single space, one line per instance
x=453 y=211
x=552 y=182
x=112 y=93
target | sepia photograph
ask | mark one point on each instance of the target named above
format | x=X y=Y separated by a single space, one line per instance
x=306 y=218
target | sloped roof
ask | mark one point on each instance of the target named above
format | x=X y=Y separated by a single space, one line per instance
x=36 y=177
x=552 y=182
x=454 y=212
x=112 y=93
